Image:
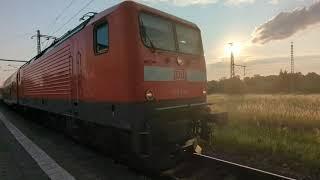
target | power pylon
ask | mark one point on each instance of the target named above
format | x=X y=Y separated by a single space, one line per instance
x=39 y=36
x=292 y=77
x=232 y=65
x=244 y=68
x=292 y=59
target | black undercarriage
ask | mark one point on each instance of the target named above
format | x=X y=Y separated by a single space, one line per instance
x=158 y=138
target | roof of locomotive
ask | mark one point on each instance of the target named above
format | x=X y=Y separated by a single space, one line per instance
x=141 y=7
x=106 y=12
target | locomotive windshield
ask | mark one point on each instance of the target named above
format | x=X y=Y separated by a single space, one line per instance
x=189 y=40
x=160 y=33
x=157 y=32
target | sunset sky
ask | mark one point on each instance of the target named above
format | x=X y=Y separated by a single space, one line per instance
x=263 y=29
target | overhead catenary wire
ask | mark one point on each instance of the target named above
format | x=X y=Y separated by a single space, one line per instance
x=13 y=60
x=69 y=20
x=61 y=13
x=14 y=37
x=52 y=37
x=58 y=17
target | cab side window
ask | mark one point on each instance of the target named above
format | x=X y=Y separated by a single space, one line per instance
x=101 y=38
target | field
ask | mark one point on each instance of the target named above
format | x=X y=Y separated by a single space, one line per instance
x=274 y=132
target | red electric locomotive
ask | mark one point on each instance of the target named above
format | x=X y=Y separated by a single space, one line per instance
x=131 y=79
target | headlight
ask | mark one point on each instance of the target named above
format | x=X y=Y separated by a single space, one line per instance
x=149 y=95
x=204 y=92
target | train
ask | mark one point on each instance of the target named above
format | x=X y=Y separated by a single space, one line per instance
x=131 y=79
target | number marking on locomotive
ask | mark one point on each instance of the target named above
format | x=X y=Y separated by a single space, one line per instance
x=179 y=75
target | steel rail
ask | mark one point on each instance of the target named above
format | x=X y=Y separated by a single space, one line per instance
x=238 y=170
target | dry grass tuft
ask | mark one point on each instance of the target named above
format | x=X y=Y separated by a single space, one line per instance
x=285 y=126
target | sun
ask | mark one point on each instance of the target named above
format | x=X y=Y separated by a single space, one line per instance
x=233 y=47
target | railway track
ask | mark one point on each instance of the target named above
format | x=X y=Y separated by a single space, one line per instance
x=204 y=167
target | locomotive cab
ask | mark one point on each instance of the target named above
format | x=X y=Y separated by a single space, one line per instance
x=173 y=85
x=173 y=60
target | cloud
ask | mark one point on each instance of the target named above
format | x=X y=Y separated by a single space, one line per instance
x=286 y=24
x=238 y=2
x=274 y=2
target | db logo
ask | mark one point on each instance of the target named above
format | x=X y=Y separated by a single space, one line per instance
x=179 y=75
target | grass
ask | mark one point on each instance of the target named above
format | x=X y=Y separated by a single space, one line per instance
x=283 y=128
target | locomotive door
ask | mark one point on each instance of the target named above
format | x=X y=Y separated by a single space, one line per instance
x=18 y=85
x=76 y=83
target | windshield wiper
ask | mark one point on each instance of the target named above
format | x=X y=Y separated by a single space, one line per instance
x=147 y=37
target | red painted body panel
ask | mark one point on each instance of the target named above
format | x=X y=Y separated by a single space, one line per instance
x=49 y=76
x=108 y=76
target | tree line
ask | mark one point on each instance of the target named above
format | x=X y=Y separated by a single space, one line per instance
x=283 y=83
